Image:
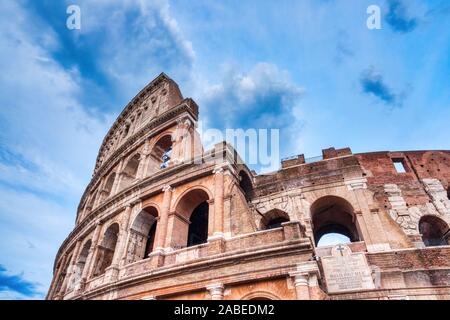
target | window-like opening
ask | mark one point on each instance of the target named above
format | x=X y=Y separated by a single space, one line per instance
x=91 y=202
x=198 y=227
x=109 y=185
x=166 y=158
x=80 y=264
x=129 y=173
x=142 y=235
x=106 y=250
x=161 y=155
x=434 y=231
x=126 y=130
x=333 y=220
x=63 y=274
x=276 y=223
x=150 y=244
x=246 y=185
x=191 y=220
x=331 y=239
x=274 y=219
x=399 y=165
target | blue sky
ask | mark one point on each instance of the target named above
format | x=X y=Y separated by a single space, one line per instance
x=310 y=68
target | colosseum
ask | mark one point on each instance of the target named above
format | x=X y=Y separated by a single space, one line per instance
x=164 y=219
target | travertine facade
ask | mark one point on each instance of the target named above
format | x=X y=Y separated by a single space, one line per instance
x=164 y=219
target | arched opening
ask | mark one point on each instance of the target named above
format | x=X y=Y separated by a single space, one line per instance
x=109 y=185
x=126 y=129
x=160 y=155
x=129 y=173
x=80 y=264
x=274 y=219
x=434 y=231
x=63 y=274
x=106 y=250
x=198 y=228
x=260 y=295
x=191 y=221
x=142 y=235
x=245 y=183
x=448 y=193
x=333 y=221
x=91 y=202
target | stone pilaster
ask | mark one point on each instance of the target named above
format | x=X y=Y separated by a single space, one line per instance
x=301 y=281
x=216 y=291
x=218 y=202
x=161 y=228
x=122 y=238
x=90 y=263
x=305 y=279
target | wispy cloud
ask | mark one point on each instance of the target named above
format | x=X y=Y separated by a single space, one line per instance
x=373 y=84
x=264 y=96
x=52 y=121
x=398 y=18
x=16 y=285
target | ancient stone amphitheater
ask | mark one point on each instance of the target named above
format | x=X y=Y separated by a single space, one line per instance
x=164 y=219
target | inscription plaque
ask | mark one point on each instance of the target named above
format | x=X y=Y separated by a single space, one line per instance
x=347 y=271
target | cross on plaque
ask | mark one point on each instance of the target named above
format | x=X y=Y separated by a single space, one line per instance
x=340 y=248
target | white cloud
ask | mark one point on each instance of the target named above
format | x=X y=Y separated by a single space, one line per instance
x=51 y=143
x=139 y=39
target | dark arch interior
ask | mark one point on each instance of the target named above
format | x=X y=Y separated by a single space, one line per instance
x=106 y=250
x=434 y=231
x=246 y=185
x=448 y=193
x=198 y=227
x=333 y=217
x=273 y=219
x=276 y=222
x=149 y=246
x=142 y=235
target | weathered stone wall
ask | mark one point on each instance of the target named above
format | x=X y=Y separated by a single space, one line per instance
x=242 y=257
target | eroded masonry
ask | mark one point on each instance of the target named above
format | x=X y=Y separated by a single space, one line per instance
x=154 y=225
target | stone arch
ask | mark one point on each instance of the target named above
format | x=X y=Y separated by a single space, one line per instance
x=130 y=171
x=246 y=185
x=160 y=153
x=107 y=189
x=142 y=234
x=62 y=275
x=273 y=219
x=91 y=202
x=332 y=215
x=80 y=263
x=434 y=231
x=260 y=295
x=191 y=217
x=106 y=249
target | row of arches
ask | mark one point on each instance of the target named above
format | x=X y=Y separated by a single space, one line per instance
x=159 y=158
x=333 y=222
